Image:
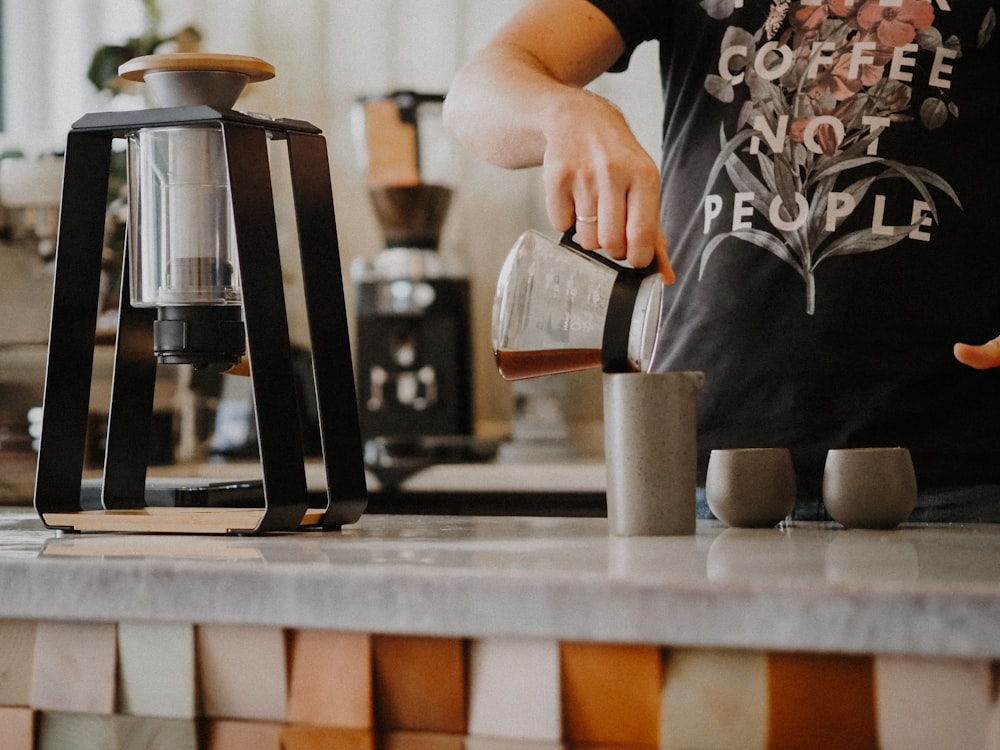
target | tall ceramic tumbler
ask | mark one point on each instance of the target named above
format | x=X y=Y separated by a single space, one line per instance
x=650 y=446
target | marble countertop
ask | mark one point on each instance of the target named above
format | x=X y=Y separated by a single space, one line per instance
x=915 y=589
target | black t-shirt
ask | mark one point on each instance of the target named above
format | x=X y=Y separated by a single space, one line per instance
x=831 y=204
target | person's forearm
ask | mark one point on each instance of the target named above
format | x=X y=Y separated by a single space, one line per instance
x=502 y=106
x=521 y=90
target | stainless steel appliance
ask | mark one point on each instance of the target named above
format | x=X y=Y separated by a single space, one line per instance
x=413 y=351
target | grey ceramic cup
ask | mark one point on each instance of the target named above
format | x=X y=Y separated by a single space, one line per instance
x=650 y=446
x=869 y=488
x=750 y=487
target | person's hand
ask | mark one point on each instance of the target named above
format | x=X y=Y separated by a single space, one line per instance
x=982 y=357
x=600 y=180
x=521 y=101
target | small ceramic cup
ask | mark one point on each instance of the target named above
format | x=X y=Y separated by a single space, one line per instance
x=750 y=487
x=869 y=488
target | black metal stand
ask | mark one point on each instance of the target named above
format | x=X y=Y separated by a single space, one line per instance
x=73 y=333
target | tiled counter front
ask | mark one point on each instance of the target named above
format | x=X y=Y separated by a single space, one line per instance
x=500 y=633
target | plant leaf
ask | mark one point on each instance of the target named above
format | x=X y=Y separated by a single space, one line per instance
x=104 y=64
x=861 y=241
x=758 y=237
x=720 y=88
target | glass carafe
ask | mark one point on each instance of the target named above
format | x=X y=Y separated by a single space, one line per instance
x=559 y=308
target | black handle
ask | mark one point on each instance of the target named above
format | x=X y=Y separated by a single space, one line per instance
x=624 y=292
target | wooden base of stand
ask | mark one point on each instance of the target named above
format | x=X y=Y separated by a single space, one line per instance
x=169 y=520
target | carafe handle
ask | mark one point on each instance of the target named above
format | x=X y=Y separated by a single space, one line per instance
x=624 y=292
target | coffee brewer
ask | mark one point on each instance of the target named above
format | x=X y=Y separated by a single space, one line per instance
x=201 y=287
x=413 y=351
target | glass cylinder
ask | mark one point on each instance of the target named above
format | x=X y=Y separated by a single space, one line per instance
x=181 y=231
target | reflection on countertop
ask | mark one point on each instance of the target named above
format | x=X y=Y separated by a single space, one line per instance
x=571 y=488
x=915 y=589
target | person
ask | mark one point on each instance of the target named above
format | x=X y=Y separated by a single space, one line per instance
x=828 y=186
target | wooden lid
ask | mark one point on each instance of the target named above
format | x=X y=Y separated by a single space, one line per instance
x=254 y=68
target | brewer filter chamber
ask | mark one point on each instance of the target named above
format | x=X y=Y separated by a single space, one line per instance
x=182 y=235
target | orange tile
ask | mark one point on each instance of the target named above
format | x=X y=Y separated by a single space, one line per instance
x=17 y=728
x=420 y=684
x=227 y=734
x=17 y=649
x=298 y=737
x=331 y=679
x=821 y=701
x=422 y=741
x=611 y=693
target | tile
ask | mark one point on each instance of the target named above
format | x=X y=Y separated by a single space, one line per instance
x=242 y=672
x=821 y=701
x=154 y=733
x=298 y=737
x=71 y=731
x=514 y=689
x=330 y=683
x=156 y=674
x=421 y=741
x=419 y=683
x=932 y=703
x=993 y=722
x=230 y=734
x=17 y=652
x=74 y=667
x=494 y=743
x=714 y=699
x=611 y=693
x=17 y=728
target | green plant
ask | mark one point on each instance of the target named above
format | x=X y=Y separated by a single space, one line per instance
x=103 y=70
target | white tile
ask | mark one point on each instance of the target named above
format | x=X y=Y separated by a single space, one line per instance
x=715 y=699
x=156 y=665
x=73 y=731
x=514 y=689
x=151 y=733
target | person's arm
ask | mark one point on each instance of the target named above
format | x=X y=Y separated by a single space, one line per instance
x=520 y=102
x=982 y=357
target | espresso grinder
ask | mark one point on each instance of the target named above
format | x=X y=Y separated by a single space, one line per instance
x=413 y=351
x=202 y=287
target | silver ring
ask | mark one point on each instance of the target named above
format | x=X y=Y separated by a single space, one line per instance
x=586 y=219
